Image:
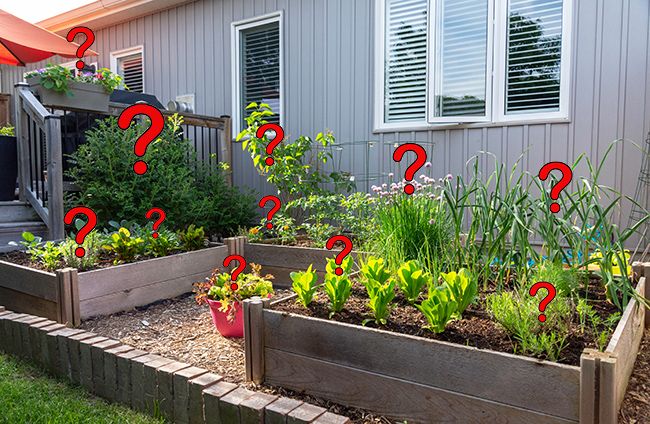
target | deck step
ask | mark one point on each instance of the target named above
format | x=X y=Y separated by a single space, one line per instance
x=17 y=212
x=13 y=231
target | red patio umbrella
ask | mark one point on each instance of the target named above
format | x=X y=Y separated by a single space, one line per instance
x=22 y=42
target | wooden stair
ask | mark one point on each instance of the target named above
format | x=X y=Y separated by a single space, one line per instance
x=15 y=218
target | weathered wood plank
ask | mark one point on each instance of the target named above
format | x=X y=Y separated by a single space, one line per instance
x=21 y=302
x=298 y=258
x=139 y=296
x=416 y=404
x=607 y=405
x=588 y=390
x=188 y=266
x=626 y=341
x=28 y=280
x=443 y=365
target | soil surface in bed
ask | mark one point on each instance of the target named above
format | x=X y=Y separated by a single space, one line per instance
x=476 y=329
x=182 y=330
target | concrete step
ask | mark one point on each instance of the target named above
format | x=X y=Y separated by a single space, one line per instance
x=12 y=231
x=17 y=212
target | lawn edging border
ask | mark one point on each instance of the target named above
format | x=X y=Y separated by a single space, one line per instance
x=68 y=296
x=180 y=392
x=422 y=380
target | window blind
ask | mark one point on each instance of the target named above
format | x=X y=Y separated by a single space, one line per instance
x=461 y=58
x=533 y=56
x=406 y=60
x=131 y=69
x=260 y=68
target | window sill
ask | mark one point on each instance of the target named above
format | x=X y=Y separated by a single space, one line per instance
x=419 y=126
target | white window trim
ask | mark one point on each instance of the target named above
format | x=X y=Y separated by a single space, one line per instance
x=118 y=54
x=495 y=112
x=73 y=65
x=236 y=29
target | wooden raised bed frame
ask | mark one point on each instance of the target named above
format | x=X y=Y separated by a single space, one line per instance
x=68 y=296
x=422 y=380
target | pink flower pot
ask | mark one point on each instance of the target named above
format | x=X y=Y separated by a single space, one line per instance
x=227 y=328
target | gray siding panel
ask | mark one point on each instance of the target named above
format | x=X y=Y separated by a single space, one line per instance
x=329 y=85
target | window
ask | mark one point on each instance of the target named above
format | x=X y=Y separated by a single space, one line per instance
x=129 y=63
x=257 y=67
x=72 y=66
x=462 y=61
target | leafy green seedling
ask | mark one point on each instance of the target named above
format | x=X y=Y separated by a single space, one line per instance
x=412 y=278
x=438 y=308
x=304 y=284
x=380 y=299
x=346 y=264
x=337 y=288
x=463 y=288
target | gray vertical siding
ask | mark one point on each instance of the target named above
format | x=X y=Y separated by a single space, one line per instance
x=329 y=84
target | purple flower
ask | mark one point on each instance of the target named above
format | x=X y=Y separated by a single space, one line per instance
x=427 y=165
x=449 y=177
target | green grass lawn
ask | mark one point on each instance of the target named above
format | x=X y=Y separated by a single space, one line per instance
x=28 y=395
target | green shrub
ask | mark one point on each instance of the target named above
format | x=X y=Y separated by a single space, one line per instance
x=187 y=192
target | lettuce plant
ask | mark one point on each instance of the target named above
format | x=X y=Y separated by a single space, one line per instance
x=380 y=301
x=305 y=285
x=438 y=308
x=463 y=288
x=337 y=288
x=346 y=264
x=375 y=269
x=412 y=278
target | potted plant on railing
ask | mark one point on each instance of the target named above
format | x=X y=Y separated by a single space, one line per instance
x=8 y=163
x=57 y=86
x=226 y=303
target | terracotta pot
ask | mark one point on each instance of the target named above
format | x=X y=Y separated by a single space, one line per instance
x=83 y=96
x=227 y=328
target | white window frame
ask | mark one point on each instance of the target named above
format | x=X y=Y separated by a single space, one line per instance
x=235 y=54
x=496 y=67
x=118 y=54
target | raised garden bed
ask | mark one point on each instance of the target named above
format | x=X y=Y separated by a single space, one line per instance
x=68 y=296
x=418 y=379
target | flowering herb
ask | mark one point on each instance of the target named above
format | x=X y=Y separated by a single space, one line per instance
x=57 y=78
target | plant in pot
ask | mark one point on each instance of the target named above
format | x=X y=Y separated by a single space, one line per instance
x=58 y=86
x=225 y=303
x=8 y=163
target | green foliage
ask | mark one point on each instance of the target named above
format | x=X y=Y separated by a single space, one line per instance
x=57 y=78
x=47 y=254
x=381 y=296
x=566 y=280
x=346 y=265
x=298 y=171
x=374 y=269
x=338 y=290
x=463 y=288
x=304 y=284
x=191 y=194
x=600 y=328
x=412 y=279
x=92 y=245
x=438 y=308
x=126 y=247
x=192 y=238
x=166 y=242
x=517 y=314
x=7 y=131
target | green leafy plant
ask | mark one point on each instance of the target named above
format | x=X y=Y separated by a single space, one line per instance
x=166 y=242
x=126 y=247
x=381 y=296
x=412 y=278
x=346 y=265
x=375 y=269
x=601 y=329
x=463 y=288
x=92 y=246
x=567 y=281
x=192 y=238
x=57 y=78
x=438 y=308
x=304 y=284
x=7 y=131
x=217 y=287
x=47 y=254
x=337 y=288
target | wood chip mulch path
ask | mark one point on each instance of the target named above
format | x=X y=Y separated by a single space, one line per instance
x=636 y=404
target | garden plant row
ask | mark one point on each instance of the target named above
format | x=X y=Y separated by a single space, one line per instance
x=177 y=391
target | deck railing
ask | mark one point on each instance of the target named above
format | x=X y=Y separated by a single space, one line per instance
x=47 y=134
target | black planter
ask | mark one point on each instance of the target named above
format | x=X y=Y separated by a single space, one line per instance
x=8 y=167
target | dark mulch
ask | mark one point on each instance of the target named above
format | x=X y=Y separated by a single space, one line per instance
x=636 y=404
x=476 y=328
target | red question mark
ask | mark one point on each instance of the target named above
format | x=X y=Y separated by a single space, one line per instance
x=161 y=217
x=90 y=39
x=412 y=169
x=279 y=136
x=347 y=248
x=88 y=227
x=154 y=130
x=274 y=209
x=549 y=297
x=567 y=175
x=236 y=271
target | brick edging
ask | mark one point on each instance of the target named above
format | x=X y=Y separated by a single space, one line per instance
x=182 y=393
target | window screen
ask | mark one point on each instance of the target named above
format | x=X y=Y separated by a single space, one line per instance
x=131 y=69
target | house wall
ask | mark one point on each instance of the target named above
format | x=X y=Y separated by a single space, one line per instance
x=329 y=85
